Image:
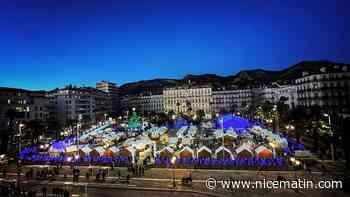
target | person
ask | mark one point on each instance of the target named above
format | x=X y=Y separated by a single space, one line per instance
x=66 y=193
x=142 y=170
x=44 y=190
x=119 y=174
x=4 y=171
x=54 y=191
x=87 y=175
x=103 y=175
x=127 y=178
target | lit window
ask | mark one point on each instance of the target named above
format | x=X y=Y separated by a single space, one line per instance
x=9 y=101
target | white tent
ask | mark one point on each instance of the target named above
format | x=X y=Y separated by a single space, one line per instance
x=173 y=140
x=244 y=149
x=223 y=148
x=186 y=140
x=231 y=132
x=100 y=150
x=167 y=148
x=72 y=148
x=186 y=149
x=204 y=149
x=262 y=151
x=86 y=150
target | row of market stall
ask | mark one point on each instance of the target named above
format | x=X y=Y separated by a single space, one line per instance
x=243 y=151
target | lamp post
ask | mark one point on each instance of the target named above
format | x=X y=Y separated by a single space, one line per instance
x=80 y=117
x=331 y=132
x=273 y=149
x=20 y=126
x=173 y=161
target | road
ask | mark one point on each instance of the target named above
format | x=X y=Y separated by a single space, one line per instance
x=158 y=178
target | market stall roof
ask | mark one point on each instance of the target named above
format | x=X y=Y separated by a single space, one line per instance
x=100 y=150
x=261 y=148
x=204 y=148
x=167 y=148
x=114 y=149
x=244 y=147
x=186 y=140
x=139 y=143
x=86 y=149
x=186 y=148
x=173 y=140
x=72 y=148
x=223 y=148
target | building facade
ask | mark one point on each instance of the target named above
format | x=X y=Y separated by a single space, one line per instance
x=329 y=88
x=26 y=105
x=183 y=99
x=113 y=92
x=231 y=100
x=71 y=102
x=143 y=104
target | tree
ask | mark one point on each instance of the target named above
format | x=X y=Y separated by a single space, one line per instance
x=298 y=116
x=200 y=115
x=34 y=129
x=345 y=124
x=54 y=126
x=11 y=116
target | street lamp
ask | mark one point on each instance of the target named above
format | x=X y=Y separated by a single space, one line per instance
x=292 y=159
x=105 y=116
x=273 y=149
x=20 y=137
x=331 y=133
x=173 y=161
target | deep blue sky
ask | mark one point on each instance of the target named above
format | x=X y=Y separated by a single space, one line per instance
x=47 y=44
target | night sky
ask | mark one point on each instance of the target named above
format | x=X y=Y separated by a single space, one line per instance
x=47 y=44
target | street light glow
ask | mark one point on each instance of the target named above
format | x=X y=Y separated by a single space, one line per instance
x=173 y=160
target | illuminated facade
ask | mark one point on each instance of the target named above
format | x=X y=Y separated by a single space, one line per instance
x=113 y=93
x=26 y=105
x=329 y=88
x=231 y=100
x=70 y=102
x=184 y=99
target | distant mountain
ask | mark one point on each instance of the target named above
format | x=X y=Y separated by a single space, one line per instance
x=154 y=86
x=246 y=78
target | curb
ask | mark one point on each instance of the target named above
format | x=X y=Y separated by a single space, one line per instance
x=93 y=185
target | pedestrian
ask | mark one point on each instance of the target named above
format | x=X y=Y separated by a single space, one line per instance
x=87 y=175
x=103 y=175
x=119 y=174
x=66 y=193
x=54 y=192
x=44 y=190
x=142 y=170
x=127 y=178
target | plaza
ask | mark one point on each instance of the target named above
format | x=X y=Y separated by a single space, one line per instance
x=225 y=142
